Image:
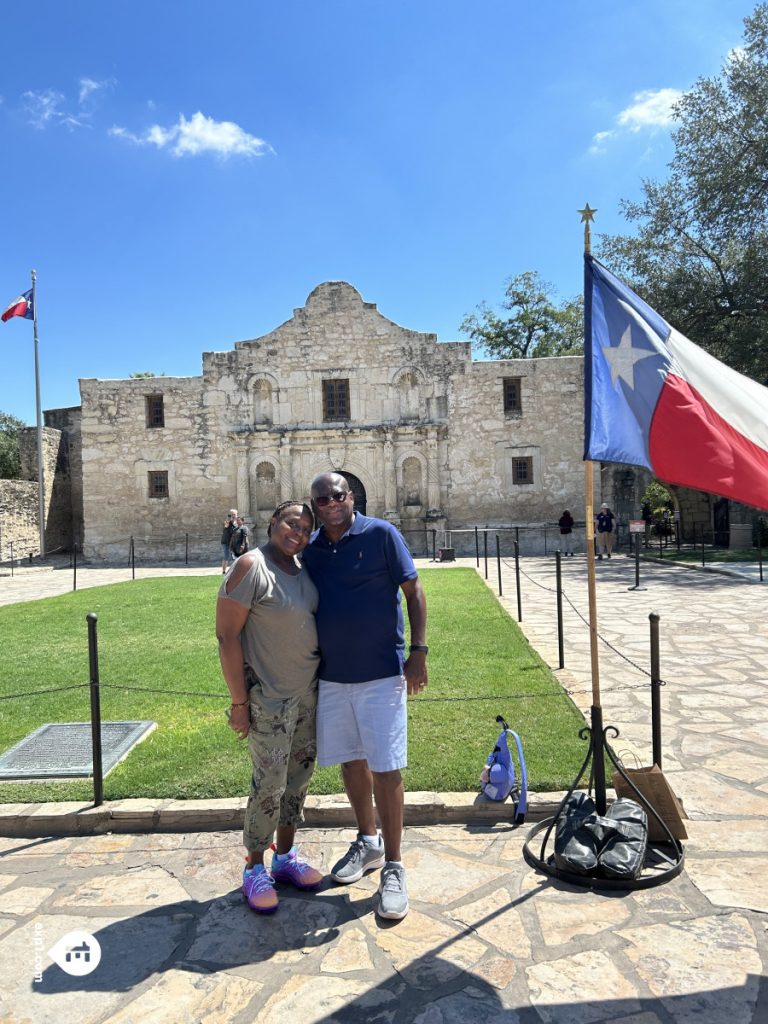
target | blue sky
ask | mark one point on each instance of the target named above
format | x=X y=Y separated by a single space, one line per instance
x=183 y=174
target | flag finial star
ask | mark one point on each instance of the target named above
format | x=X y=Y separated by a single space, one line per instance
x=587 y=214
x=622 y=358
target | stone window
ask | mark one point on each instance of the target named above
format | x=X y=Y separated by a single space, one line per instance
x=155 y=411
x=512 y=399
x=336 y=399
x=522 y=470
x=158 y=483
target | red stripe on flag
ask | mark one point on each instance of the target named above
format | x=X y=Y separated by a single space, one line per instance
x=692 y=445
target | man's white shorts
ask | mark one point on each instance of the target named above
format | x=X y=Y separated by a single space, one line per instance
x=363 y=721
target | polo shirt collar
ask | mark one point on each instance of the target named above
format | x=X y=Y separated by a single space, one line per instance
x=356 y=527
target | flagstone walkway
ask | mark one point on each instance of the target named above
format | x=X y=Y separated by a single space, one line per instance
x=487 y=938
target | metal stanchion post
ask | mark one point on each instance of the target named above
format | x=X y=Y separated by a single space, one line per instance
x=11 y=559
x=760 y=546
x=74 y=566
x=498 y=562
x=637 y=565
x=186 y=549
x=517 y=583
x=93 y=657
x=655 y=689
x=133 y=560
x=702 y=547
x=559 y=577
x=485 y=551
x=477 y=548
x=434 y=542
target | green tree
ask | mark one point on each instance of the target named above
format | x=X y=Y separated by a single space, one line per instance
x=144 y=373
x=700 y=253
x=10 y=461
x=534 y=323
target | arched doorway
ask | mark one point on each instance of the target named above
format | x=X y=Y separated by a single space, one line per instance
x=356 y=486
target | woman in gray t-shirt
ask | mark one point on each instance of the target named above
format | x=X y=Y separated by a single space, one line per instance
x=265 y=623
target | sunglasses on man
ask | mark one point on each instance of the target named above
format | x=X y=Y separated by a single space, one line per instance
x=325 y=499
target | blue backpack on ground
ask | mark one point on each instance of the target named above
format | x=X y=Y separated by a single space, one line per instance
x=498 y=781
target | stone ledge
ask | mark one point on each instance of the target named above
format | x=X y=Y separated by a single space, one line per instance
x=144 y=815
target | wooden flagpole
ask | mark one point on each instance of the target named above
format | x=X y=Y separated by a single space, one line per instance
x=598 y=763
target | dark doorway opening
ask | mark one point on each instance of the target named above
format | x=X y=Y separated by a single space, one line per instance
x=356 y=486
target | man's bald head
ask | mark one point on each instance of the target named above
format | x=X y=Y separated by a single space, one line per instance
x=326 y=483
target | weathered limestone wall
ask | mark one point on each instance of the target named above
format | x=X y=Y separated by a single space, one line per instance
x=68 y=485
x=427 y=435
x=119 y=450
x=484 y=440
x=18 y=519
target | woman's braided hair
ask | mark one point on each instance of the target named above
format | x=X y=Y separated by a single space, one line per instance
x=292 y=503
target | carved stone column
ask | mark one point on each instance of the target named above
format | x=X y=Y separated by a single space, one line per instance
x=389 y=478
x=286 y=468
x=433 y=471
x=243 y=490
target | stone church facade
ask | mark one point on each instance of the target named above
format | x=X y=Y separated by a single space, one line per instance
x=426 y=436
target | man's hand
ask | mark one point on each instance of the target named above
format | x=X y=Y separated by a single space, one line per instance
x=415 y=672
x=240 y=720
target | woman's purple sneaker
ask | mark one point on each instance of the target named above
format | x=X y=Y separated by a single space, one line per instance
x=295 y=872
x=259 y=890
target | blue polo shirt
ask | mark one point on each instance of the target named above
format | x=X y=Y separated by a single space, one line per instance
x=360 y=615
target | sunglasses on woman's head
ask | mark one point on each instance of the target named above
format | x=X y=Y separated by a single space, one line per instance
x=325 y=499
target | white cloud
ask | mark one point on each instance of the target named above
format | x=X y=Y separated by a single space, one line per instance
x=199 y=134
x=89 y=86
x=48 y=106
x=650 y=111
x=44 y=107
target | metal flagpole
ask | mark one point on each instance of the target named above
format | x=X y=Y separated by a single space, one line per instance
x=40 y=473
x=598 y=764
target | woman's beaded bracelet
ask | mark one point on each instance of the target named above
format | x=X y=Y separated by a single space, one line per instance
x=241 y=704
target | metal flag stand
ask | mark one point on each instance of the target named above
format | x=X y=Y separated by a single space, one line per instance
x=663 y=866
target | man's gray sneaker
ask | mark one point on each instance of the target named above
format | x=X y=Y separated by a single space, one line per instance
x=393 y=902
x=358 y=859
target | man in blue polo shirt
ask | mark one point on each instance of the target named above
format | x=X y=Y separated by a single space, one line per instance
x=359 y=565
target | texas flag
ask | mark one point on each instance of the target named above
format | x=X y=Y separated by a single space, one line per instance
x=23 y=306
x=654 y=399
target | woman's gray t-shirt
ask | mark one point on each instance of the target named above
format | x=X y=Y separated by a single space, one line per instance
x=279 y=639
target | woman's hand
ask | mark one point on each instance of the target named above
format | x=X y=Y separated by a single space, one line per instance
x=240 y=719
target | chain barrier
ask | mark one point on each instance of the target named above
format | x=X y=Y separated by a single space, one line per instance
x=55 y=689
x=608 y=644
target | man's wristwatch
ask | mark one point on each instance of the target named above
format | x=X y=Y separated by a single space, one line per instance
x=421 y=648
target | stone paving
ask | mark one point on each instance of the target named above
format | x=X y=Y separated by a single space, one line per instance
x=487 y=937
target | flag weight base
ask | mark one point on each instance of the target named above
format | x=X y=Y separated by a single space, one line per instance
x=664 y=861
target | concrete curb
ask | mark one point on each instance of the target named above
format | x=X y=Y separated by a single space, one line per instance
x=32 y=821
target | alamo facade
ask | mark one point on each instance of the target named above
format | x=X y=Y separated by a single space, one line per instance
x=427 y=437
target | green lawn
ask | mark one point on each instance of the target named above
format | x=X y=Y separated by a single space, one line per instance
x=159 y=634
x=711 y=555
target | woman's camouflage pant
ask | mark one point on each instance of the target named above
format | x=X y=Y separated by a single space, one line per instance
x=283 y=748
